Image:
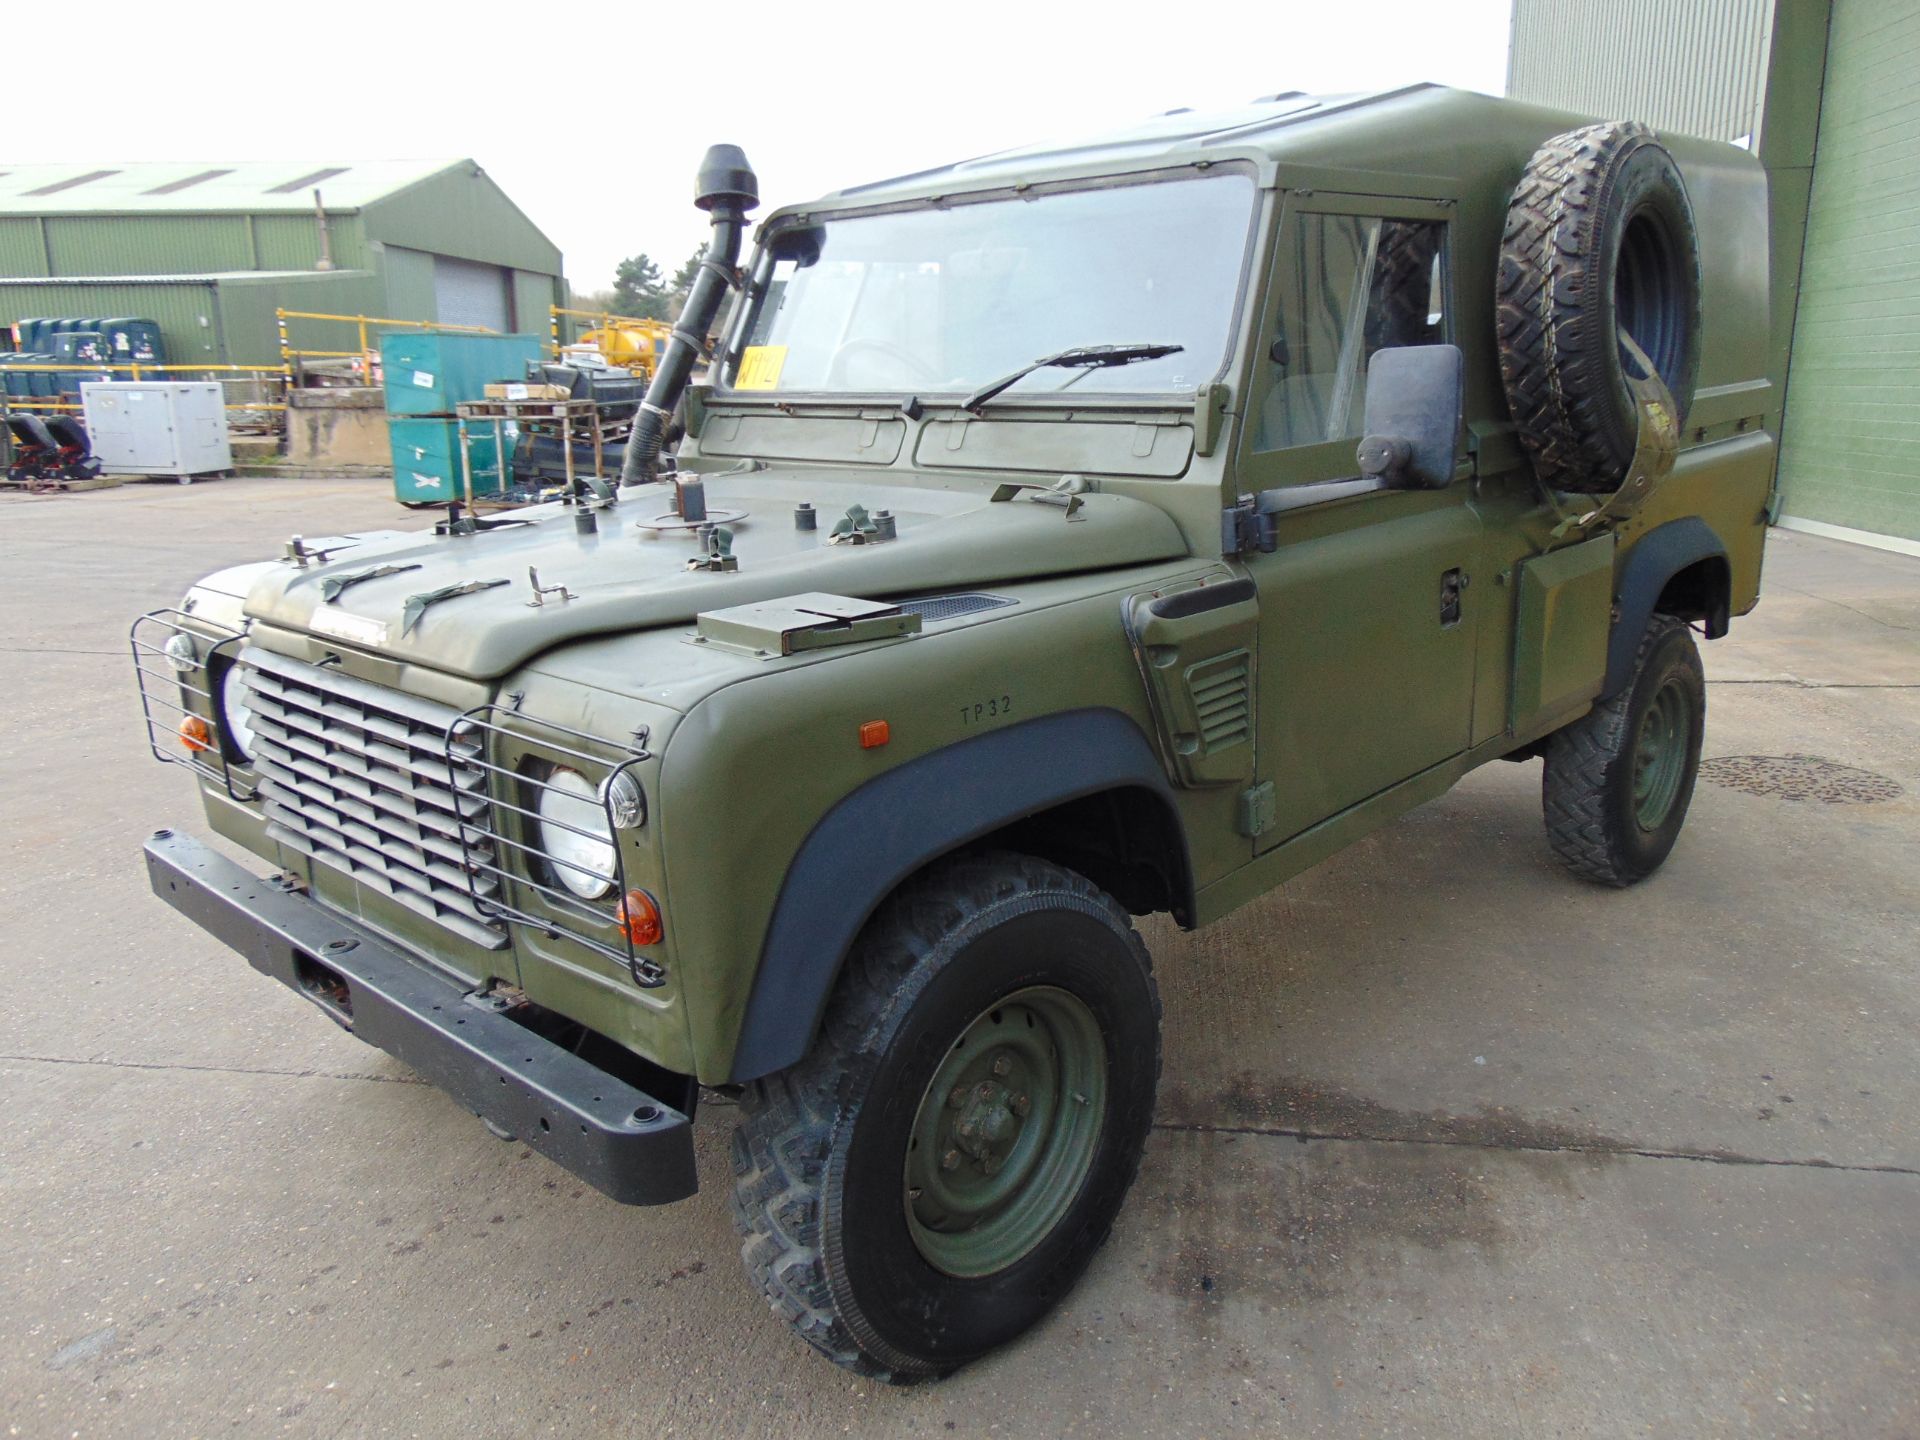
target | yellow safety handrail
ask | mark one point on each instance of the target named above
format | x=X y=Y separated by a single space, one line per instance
x=135 y=370
x=365 y=354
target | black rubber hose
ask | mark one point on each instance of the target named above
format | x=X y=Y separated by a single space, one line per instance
x=727 y=189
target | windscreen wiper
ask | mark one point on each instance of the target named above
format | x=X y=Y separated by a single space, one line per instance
x=1090 y=357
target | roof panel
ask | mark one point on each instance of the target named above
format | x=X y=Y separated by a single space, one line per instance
x=174 y=187
x=309 y=180
x=186 y=186
x=71 y=182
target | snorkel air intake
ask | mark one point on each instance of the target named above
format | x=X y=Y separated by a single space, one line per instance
x=726 y=188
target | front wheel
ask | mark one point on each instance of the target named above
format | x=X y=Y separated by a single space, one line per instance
x=938 y=1172
x=1619 y=779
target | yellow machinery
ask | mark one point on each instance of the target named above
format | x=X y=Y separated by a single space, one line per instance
x=626 y=341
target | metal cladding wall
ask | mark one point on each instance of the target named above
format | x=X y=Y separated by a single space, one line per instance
x=60 y=245
x=187 y=311
x=1851 y=446
x=1697 y=66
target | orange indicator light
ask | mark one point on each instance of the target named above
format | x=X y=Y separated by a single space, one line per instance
x=873 y=734
x=196 y=734
x=639 y=916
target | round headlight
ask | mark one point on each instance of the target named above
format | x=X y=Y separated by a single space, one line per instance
x=575 y=835
x=626 y=801
x=236 y=716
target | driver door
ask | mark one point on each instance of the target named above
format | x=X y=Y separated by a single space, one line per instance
x=1368 y=617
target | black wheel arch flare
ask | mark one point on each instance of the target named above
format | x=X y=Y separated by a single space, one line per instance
x=895 y=824
x=1656 y=558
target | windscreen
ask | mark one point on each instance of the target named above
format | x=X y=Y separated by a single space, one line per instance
x=946 y=299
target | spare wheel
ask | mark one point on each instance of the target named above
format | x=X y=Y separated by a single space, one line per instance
x=1599 y=239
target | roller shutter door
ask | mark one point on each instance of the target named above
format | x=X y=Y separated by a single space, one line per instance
x=468 y=293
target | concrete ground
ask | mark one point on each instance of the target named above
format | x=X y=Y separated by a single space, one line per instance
x=1449 y=1143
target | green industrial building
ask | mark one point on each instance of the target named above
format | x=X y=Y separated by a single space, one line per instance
x=1828 y=95
x=211 y=250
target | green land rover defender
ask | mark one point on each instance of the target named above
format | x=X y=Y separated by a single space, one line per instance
x=1063 y=536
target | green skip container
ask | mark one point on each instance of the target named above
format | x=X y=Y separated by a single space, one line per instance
x=426 y=461
x=428 y=373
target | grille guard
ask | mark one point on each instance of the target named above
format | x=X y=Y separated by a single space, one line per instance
x=488 y=730
x=472 y=741
x=153 y=672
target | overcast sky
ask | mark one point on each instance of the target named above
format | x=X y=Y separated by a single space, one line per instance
x=594 y=117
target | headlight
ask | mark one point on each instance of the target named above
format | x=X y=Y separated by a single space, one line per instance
x=568 y=806
x=236 y=716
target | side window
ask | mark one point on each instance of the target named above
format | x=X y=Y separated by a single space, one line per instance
x=1347 y=286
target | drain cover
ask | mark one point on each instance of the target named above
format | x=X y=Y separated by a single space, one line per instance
x=1800 y=777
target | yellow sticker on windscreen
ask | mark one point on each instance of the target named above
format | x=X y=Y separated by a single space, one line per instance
x=760 y=367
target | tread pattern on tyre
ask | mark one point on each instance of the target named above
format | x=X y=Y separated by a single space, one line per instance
x=788 y=1120
x=1543 y=302
x=1574 y=786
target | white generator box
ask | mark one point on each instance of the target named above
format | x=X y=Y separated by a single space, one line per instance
x=158 y=427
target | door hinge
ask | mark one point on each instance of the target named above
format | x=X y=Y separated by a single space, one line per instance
x=1243 y=527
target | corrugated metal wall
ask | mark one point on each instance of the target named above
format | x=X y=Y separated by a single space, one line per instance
x=462 y=213
x=20 y=249
x=1850 y=452
x=532 y=294
x=187 y=312
x=174 y=244
x=292 y=242
x=1697 y=66
x=147 y=244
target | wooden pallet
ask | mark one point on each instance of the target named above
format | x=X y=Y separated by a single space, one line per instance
x=554 y=410
x=50 y=487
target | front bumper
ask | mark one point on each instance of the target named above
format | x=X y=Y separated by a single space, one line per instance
x=617 y=1138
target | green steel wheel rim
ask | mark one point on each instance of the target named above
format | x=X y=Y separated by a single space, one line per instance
x=1006 y=1132
x=1660 y=754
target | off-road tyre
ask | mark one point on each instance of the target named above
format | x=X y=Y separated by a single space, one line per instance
x=821 y=1155
x=1599 y=237
x=1588 y=792
x=1401 y=299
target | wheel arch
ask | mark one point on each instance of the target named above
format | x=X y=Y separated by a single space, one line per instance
x=1681 y=568
x=1082 y=788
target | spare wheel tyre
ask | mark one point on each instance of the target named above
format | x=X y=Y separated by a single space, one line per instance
x=1599 y=239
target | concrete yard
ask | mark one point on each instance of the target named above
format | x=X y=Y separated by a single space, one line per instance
x=1449 y=1143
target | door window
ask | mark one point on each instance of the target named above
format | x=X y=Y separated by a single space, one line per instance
x=1347 y=286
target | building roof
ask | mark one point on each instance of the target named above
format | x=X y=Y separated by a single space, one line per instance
x=199 y=186
x=203 y=277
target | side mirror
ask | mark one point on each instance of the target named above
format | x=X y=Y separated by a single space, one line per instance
x=1414 y=398
x=799 y=243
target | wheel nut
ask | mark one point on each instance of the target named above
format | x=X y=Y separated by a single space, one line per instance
x=950 y=1160
x=1020 y=1105
x=958 y=1098
x=1001 y=1065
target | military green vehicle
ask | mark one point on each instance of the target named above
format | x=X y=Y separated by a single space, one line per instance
x=1055 y=538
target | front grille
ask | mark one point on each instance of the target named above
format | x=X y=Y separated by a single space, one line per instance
x=362 y=778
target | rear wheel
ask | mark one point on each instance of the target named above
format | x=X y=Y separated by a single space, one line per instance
x=938 y=1172
x=1619 y=779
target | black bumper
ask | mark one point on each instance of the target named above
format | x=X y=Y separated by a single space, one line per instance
x=615 y=1137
